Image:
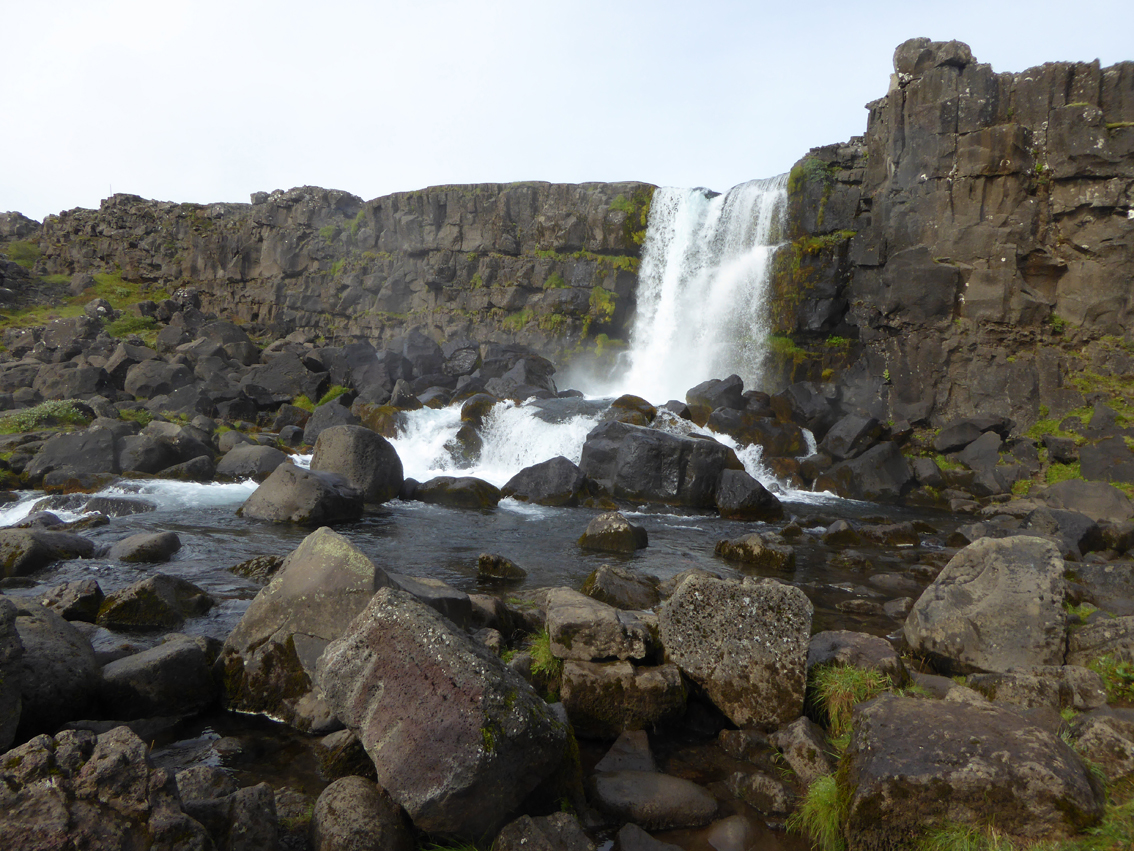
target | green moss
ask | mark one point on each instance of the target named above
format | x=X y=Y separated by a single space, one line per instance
x=128 y=325
x=44 y=415
x=637 y=210
x=1062 y=472
x=140 y=416
x=23 y=253
x=335 y=392
x=357 y=222
x=329 y=232
x=337 y=266
x=1022 y=487
x=516 y=321
x=554 y=281
x=55 y=279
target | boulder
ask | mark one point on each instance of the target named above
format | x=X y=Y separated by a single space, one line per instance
x=633 y=838
x=365 y=459
x=1107 y=740
x=745 y=643
x=149 y=378
x=763 y=792
x=159 y=602
x=776 y=439
x=850 y=436
x=880 y=474
x=269 y=659
x=457 y=738
x=805 y=749
x=647 y=465
x=557 y=481
x=24 y=551
x=613 y=533
x=915 y=764
x=442 y=598
x=1056 y=687
x=622 y=588
x=353 y=814
x=139 y=453
x=77 y=790
x=717 y=393
x=606 y=699
x=74 y=455
x=282 y=379
x=250 y=461
x=587 y=629
x=11 y=674
x=740 y=497
x=59 y=674
x=146 y=548
x=292 y=494
x=858 y=650
x=496 y=568
x=1098 y=500
x=78 y=600
x=118 y=506
x=175 y=678
x=651 y=800
x=630 y=752
x=556 y=832
x=326 y=416
x=997 y=605
x=242 y=820
x=755 y=550
x=464 y=492
x=1104 y=637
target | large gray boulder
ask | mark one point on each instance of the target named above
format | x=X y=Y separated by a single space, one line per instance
x=250 y=461
x=741 y=497
x=268 y=661
x=292 y=494
x=915 y=764
x=605 y=699
x=880 y=474
x=556 y=832
x=745 y=643
x=611 y=532
x=158 y=602
x=24 y=551
x=146 y=548
x=60 y=677
x=11 y=674
x=557 y=481
x=97 y=794
x=997 y=605
x=638 y=463
x=583 y=628
x=366 y=460
x=74 y=455
x=457 y=738
x=174 y=678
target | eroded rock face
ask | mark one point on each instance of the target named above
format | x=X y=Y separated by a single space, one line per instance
x=269 y=659
x=457 y=738
x=919 y=763
x=745 y=643
x=997 y=605
x=100 y=790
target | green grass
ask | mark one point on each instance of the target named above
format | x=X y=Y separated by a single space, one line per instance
x=128 y=325
x=555 y=281
x=337 y=266
x=1062 y=472
x=837 y=689
x=55 y=279
x=516 y=321
x=1022 y=487
x=329 y=232
x=822 y=814
x=544 y=663
x=602 y=304
x=335 y=392
x=962 y=837
x=23 y=253
x=1118 y=677
x=44 y=415
x=1082 y=611
x=140 y=416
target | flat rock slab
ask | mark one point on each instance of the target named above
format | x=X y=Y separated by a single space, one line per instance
x=915 y=764
x=586 y=629
x=652 y=800
x=24 y=551
x=745 y=643
x=159 y=602
x=997 y=605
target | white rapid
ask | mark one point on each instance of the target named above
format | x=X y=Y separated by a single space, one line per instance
x=703 y=288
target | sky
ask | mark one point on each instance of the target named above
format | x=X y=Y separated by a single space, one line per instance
x=210 y=101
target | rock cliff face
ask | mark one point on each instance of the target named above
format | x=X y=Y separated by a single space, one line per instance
x=552 y=266
x=974 y=251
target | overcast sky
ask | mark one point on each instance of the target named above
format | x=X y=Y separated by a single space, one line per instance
x=210 y=100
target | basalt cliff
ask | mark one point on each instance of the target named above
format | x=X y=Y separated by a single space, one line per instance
x=971 y=253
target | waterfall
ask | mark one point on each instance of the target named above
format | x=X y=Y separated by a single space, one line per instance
x=703 y=287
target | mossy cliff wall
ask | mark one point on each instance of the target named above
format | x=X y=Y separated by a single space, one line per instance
x=549 y=265
x=974 y=250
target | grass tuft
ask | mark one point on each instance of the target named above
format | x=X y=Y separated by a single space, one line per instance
x=964 y=837
x=838 y=689
x=44 y=415
x=822 y=814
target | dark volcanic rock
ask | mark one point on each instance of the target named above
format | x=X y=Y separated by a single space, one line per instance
x=613 y=533
x=292 y=494
x=557 y=481
x=155 y=603
x=24 y=551
x=741 y=497
x=11 y=674
x=464 y=492
x=365 y=459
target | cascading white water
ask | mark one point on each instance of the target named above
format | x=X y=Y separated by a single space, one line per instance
x=703 y=288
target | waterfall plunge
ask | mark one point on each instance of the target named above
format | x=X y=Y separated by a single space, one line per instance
x=703 y=287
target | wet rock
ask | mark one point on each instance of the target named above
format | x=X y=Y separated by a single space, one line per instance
x=644 y=464
x=613 y=533
x=366 y=460
x=155 y=603
x=496 y=568
x=341 y=754
x=464 y=492
x=605 y=699
x=630 y=752
x=622 y=588
x=103 y=789
x=997 y=605
x=75 y=601
x=734 y=833
x=146 y=548
x=716 y=393
x=244 y=820
x=250 y=461
x=456 y=737
x=631 y=409
x=326 y=416
x=842 y=533
x=174 y=678
x=355 y=813
x=268 y=661
x=199 y=469
x=258 y=568
x=805 y=748
x=914 y=764
x=880 y=474
x=652 y=800
x=556 y=832
x=59 y=674
x=755 y=550
x=24 y=551
x=557 y=481
x=586 y=629
x=745 y=643
x=633 y=838
x=741 y=497
x=292 y=494
x=11 y=674
x=856 y=649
